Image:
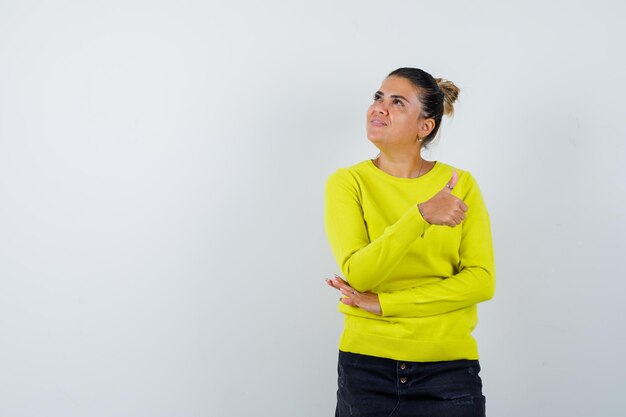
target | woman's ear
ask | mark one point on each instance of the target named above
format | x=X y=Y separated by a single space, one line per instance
x=425 y=127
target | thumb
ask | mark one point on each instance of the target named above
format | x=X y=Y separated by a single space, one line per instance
x=452 y=183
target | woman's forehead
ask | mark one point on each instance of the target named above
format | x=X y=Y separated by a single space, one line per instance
x=399 y=86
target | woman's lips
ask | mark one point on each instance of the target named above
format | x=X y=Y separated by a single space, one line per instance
x=377 y=123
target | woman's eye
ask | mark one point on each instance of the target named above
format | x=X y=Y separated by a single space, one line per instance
x=377 y=97
x=398 y=101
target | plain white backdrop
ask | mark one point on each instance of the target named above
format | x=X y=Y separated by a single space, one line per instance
x=162 y=166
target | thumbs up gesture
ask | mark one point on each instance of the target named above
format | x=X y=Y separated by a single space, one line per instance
x=444 y=209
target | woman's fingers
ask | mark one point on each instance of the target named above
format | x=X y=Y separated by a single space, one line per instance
x=340 y=280
x=348 y=292
x=348 y=301
x=340 y=284
x=344 y=288
x=444 y=208
x=337 y=282
x=368 y=301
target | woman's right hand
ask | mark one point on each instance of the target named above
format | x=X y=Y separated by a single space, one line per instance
x=444 y=209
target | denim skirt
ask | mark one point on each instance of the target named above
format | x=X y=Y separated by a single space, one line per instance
x=380 y=387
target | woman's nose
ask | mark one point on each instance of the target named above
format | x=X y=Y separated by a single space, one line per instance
x=380 y=107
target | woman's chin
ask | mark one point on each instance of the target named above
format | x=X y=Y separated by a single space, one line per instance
x=375 y=139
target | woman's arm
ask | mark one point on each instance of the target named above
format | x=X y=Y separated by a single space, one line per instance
x=365 y=263
x=474 y=283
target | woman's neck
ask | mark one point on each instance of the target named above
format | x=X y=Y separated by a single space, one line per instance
x=403 y=166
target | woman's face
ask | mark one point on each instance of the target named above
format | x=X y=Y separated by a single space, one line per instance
x=393 y=119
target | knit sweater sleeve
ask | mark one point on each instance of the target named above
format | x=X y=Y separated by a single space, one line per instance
x=475 y=281
x=365 y=263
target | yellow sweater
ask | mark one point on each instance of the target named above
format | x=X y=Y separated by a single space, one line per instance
x=429 y=278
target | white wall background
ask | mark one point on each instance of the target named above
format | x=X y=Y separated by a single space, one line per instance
x=162 y=166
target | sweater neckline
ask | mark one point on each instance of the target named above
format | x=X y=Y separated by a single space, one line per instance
x=383 y=174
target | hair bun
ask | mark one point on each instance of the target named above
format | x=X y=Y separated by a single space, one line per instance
x=450 y=94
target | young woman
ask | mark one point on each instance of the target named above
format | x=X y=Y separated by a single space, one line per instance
x=413 y=241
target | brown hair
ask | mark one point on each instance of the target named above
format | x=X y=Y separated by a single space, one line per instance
x=450 y=94
x=436 y=95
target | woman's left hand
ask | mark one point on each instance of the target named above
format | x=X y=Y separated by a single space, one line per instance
x=368 y=301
